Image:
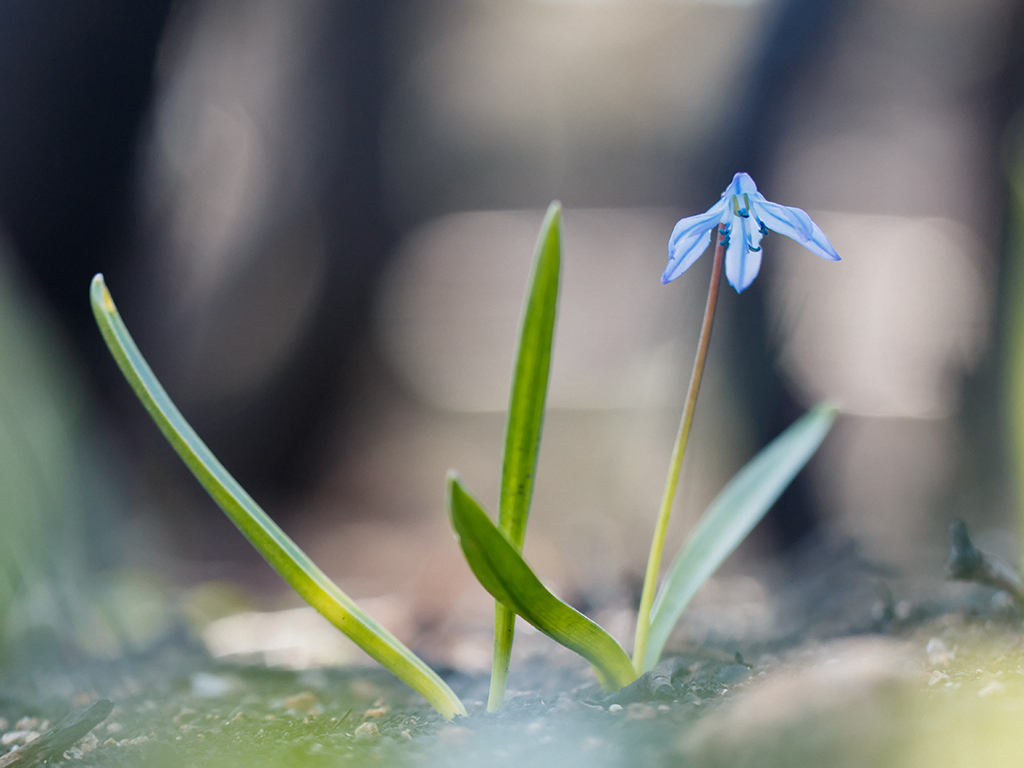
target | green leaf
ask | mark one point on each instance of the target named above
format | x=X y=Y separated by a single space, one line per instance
x=280 y=551
x=530 y=384
x=731 y=516
x=501 y=570
x=525 y=420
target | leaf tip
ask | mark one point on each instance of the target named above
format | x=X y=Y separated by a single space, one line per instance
x=453 y=488
x=452 y=481
x=552 y=217
x=99 y=294
x=829 y=407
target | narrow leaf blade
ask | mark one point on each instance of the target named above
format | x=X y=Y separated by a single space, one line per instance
x=731 y=516
x=526 y=420
x=530 y=382
x=502 y=571
x=279 y=550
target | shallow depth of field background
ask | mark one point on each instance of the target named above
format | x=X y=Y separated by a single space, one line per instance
x=317 y=218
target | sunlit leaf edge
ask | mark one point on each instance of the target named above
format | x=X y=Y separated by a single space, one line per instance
x=265 y=535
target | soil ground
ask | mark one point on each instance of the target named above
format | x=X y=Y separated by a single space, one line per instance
x=876 y=671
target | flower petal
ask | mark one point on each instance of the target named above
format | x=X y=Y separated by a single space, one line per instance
x=741 y=184
x=689 y=240
x=741 y=263
x=796 y=224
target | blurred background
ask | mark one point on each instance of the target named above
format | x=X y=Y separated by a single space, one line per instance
x=317 y=219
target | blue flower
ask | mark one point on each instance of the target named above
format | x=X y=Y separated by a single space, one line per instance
x=746 y=217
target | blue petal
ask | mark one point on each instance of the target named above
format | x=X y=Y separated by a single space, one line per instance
x=741 y=184
x=689 y=240
x=741 y=263
x=795 y=223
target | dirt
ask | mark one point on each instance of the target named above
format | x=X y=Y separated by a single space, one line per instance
x=855 y=668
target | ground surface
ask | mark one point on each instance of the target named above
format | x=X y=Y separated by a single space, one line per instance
x=856 y=669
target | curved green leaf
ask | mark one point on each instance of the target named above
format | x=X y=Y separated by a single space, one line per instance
x=731 y=516
x=525 y=421
x=501 y=570
x=279 y=550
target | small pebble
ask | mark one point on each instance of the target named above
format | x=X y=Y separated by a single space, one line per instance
x=27 y=724
x=366 y=731
x=615 y=708
x=375 y=712
x=88 y=743
x=937 y=677
x=19 y=738
x=939 y=655
x=733 y=674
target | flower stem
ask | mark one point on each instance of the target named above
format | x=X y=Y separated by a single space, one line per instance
x=643 y=622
